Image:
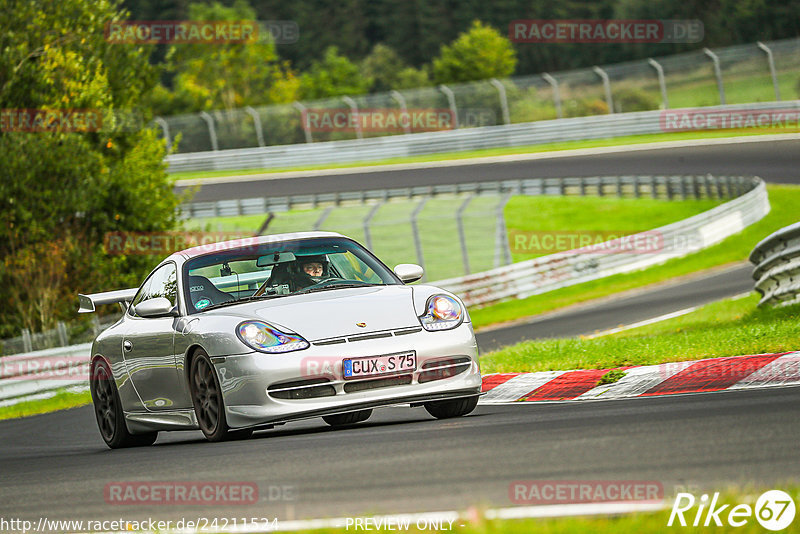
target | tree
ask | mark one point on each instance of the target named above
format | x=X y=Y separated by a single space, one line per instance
x=334 y=75
x=64 y=190
x=225 y=76
x=388 y=71
x=478 y=54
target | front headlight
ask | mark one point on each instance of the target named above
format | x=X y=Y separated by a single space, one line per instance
x=443 y=312
x=265 y=338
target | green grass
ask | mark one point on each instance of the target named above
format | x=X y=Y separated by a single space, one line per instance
x=61 y=401
x=529 y=149
x=725 y=328
x=784 y=200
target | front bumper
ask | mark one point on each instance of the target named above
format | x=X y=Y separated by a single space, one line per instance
x=253 y=383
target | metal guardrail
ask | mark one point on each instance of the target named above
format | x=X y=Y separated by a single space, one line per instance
x=35 y=374
x=634 y=186
x=417 y=144
x=540 y=275
x=777 y=267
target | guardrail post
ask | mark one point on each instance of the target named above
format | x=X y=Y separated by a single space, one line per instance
x=318 y=224
x=619 y=186
x=662 y=83
x=556 y=93
x=257 y=123
x=451 y=100
x=165 y=129
x=367 y=220
x=607 y=86
x=415 y=233
x=27 y=342
x=502 y=252
x=212 y=132
x=717 y=73
x=461 y=235
x=653 y=187
x=709 y=186
x=354 y=110
x=400 y=99
x=636 y=186
x=306 y=130
x=772 y=73
x=582 y=185
x=501 y=90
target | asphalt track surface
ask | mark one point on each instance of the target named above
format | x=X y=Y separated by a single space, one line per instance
x=637 y=305
x=402 y=460
x=774 y=161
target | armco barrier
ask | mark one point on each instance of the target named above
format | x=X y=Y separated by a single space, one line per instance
x=394 y=146
x=43 y=371
x=777 y=271
x=523 y=279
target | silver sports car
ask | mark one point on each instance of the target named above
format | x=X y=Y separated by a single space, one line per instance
x=243 y=335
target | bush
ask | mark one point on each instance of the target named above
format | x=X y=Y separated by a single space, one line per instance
x=633 y=99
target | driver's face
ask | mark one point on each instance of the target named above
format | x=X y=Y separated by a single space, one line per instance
x=313 y=269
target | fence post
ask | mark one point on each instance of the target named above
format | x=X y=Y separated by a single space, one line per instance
x=318 y=224
x=63 y=338
x=367 y=220
x=451 y=100
x=27 y=342
x=662 y=83
x=212 y=132
x=772 y=73
x=556 y=93
x=257 y=123
x=354 y=110
x=165 y=129
x=502 y=252
x=607 y=86
x=400 y=99
x=306 y=130
x=461 y=235
x=501 y=90
x=717 y=74
x=415 y=233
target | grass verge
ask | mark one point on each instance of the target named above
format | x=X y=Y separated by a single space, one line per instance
x=488 y=152
x=784 y=200
x=724 y=328
x=60 y=401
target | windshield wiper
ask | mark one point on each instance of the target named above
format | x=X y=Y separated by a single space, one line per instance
x=334 y=286
x=240 y=301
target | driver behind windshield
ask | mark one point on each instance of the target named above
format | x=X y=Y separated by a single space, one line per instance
x=312 y=270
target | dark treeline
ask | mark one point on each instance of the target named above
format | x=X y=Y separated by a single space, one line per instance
x=416 y=29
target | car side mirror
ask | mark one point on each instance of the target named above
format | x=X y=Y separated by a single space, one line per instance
x=408 y=272
x=156 y=307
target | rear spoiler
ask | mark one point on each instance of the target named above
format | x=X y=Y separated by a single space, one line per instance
x=88 y=302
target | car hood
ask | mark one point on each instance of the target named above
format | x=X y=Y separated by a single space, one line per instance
x=338 y=312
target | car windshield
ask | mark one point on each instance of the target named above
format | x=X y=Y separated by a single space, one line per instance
x=276 y=269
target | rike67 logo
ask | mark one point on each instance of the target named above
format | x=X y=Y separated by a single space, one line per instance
x=774 y=510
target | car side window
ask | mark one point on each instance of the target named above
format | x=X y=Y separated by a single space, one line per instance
x=163 y=282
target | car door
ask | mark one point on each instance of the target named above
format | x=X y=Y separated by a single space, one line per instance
x=148 y=345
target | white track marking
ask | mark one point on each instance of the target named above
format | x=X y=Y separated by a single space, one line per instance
x=518 y=386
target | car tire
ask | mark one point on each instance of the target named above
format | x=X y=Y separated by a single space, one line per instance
x=209 y=406
x=108 y=410
x=341 y=419
x=451 y=408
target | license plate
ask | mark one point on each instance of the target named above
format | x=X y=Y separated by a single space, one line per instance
x=389 y=364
